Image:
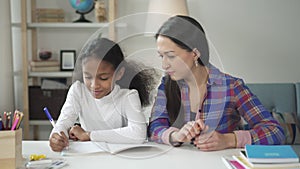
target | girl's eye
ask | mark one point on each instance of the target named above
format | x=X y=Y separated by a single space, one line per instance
x=104 y=78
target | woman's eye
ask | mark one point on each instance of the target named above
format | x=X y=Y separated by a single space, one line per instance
x=171 y=56
x=87 y=77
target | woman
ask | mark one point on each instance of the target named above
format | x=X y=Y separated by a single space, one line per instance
x=107 y=99
x=196 y=102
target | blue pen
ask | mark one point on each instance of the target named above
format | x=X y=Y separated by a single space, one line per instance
x=49 y=117
x=1 y=123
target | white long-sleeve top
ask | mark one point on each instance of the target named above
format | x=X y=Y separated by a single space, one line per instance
x=115 y=118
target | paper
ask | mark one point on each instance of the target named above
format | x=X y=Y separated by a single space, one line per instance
x=82 y=148
x=116 y=148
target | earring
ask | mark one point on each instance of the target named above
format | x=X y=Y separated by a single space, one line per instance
x=196 y=63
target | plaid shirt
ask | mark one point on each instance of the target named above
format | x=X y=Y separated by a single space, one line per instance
x=227 y=101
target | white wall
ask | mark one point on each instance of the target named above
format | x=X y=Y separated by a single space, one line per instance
x=257 y=40
x=6 y=80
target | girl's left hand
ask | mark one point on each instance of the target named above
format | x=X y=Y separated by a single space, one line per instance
x=215 y=141
x=77 y=133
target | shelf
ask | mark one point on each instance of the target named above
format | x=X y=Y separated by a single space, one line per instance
x=50 y=74
x=39 y=122
x=69 y=25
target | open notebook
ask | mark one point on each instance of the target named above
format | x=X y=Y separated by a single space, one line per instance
x=89 y=147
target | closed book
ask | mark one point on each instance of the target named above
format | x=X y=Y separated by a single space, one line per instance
x=50 y=20
x=41 y=16
x=45 y=69
x=244 y=162
x=48 y=11
x=231 y=163
x=271 y=154
x=39 y=63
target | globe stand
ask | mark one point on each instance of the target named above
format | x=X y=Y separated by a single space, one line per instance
x=82 y=18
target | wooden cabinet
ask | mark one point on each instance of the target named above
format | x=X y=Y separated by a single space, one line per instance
x=55 y=37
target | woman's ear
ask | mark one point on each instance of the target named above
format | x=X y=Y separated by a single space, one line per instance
x=197 y=54
x=120 y=73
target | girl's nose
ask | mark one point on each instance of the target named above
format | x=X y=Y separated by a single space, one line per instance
x=94 y=83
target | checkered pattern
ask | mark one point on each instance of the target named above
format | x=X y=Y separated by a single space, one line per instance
x=227 y=100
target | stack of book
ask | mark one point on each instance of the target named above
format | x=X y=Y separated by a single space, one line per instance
x=49 y=15
x=264 y=157
x=44 y=66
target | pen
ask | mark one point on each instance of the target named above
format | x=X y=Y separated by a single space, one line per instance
x=51 y=120
x=1 y=123
x=49 y=117
x=8 y=120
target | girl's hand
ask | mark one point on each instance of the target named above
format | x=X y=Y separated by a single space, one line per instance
x=77 y=133
x=58 y=142
x=188 y=131
x=215 y=141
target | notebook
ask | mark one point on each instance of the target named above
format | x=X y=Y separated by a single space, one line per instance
x=78 y=148
x=271 y=154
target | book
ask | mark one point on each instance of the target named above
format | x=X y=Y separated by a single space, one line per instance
x=231 y=163
x=248 y=165
x=49 y=16
x=50 y=20
x=48 y=11
x=41 y=63
x=88 y=147
x=271 y=154
x=45 y=69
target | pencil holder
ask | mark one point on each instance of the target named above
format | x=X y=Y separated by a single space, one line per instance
x=11 y=149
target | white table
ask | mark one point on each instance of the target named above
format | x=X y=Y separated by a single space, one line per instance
x=185 y=157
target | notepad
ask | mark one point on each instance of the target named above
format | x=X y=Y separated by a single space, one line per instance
x=78 y=148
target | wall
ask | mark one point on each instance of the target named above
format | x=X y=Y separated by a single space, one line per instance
x=257 y=40
x=6 y=71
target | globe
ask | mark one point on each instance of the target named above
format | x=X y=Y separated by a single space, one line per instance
x=82 y=7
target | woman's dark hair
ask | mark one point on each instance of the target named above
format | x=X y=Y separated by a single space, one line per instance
x=187 y=34
x=135 y=76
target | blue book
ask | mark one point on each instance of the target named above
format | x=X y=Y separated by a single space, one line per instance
x=271 y=154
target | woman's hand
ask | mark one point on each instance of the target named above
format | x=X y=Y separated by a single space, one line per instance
x=188 y=131
x=215 y=141
x=58 y=141
x=77 y=133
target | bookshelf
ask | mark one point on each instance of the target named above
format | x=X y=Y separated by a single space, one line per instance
x=32 y=37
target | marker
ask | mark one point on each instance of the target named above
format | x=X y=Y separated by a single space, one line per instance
x=14 y=126
x=49 y=117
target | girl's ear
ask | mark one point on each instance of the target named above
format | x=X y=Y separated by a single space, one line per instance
x=120 y=73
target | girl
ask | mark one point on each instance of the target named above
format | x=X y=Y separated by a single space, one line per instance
x=107 y=98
